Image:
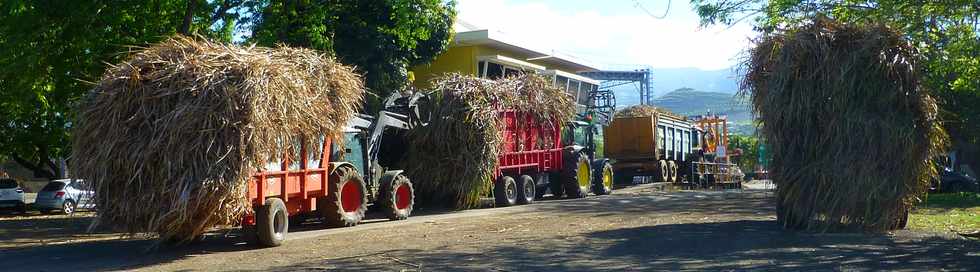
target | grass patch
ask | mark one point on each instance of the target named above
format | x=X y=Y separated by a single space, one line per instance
x=959 y=212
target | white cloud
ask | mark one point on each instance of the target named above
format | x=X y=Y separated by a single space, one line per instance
x=619 y=37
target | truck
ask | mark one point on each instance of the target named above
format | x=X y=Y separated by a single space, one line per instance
x=534 y=161
x=336 y=179
x=671 y=149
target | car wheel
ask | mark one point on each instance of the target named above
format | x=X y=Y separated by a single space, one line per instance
x=68 y=207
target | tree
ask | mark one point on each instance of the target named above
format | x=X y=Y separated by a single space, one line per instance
x=947 y=33
x=52 y=50
x=381 y=38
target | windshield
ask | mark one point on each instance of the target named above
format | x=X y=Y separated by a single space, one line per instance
x=8 y=183
x=53 y=186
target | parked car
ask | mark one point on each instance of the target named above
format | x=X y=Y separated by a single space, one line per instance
x=953 y=182
x=64 y=195
x=12 y=195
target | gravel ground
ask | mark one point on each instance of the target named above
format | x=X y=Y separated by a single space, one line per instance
x=634 y=229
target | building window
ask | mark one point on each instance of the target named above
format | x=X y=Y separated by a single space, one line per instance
x=561 y=82
x=481 y=68
x=494 y=71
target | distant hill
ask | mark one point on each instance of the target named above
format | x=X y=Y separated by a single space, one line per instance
x=666 y=80
x=687 y=101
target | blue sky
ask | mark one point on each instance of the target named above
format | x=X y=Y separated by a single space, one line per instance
x=613 y=34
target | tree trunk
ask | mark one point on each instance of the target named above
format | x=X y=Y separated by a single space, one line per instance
x=36 y=168
x=185 y=27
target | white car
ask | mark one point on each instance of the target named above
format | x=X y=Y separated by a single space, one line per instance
x=12 y=195
x=64 y=195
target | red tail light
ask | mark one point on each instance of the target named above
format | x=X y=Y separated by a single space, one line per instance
x=59 y=194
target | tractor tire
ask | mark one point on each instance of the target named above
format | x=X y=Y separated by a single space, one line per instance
x=525 y=190
x=555 y=185
x=397 y=197
x=577 y=175
x=604 y=178
x=271 y=223
x=505 y=191
x=346 y=199
x=664 y=173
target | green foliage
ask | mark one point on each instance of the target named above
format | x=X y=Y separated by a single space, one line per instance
x=750 y=151
x=381 y=38
x=946 y=33
x=52 y=49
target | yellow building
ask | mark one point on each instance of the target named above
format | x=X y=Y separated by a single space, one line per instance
x=488 y=54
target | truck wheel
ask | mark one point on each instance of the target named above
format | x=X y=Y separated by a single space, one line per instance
x=672 y=170
x=505 y=191
x=525 y=190
x=577 y=176
x=663 y=174
x=603 y=183
x=346 y=201
x=271 y=222
x=397 y=197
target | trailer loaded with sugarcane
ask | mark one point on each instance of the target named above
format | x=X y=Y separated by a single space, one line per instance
x=508 y=139
x=647 y=144
x=187 y=136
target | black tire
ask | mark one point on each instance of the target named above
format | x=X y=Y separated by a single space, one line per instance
x=397 y=197
x=505 y=191
x=271 y=223
x=663 y=174
x=603 y=185
x=672 y=172
x=577 y=184
x=68 y=207
x=332 y=207
x=525 y=190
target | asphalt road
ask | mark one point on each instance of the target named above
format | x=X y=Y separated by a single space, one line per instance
x=634 y=229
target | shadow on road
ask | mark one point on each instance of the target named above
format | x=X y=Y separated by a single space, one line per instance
x=735 y=245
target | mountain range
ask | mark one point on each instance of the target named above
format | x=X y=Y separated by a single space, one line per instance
x=666 y=80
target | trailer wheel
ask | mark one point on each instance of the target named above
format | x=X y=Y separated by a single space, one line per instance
x=346 y=201
x=271 y=222
x=577 y=176
x=505 y=191
x=397 y=197
x=663 y=174
x=603 y=184
x=525 y=190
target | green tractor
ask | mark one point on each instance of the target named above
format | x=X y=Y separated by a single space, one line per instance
x=585 y=136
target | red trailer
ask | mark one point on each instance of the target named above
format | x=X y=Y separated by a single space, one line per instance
x=338 y=184
x=534 y=159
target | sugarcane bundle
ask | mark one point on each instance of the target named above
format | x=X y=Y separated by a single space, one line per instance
x=851 y=127
x=170 y=137
x=452 y=160
x=644 y=111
